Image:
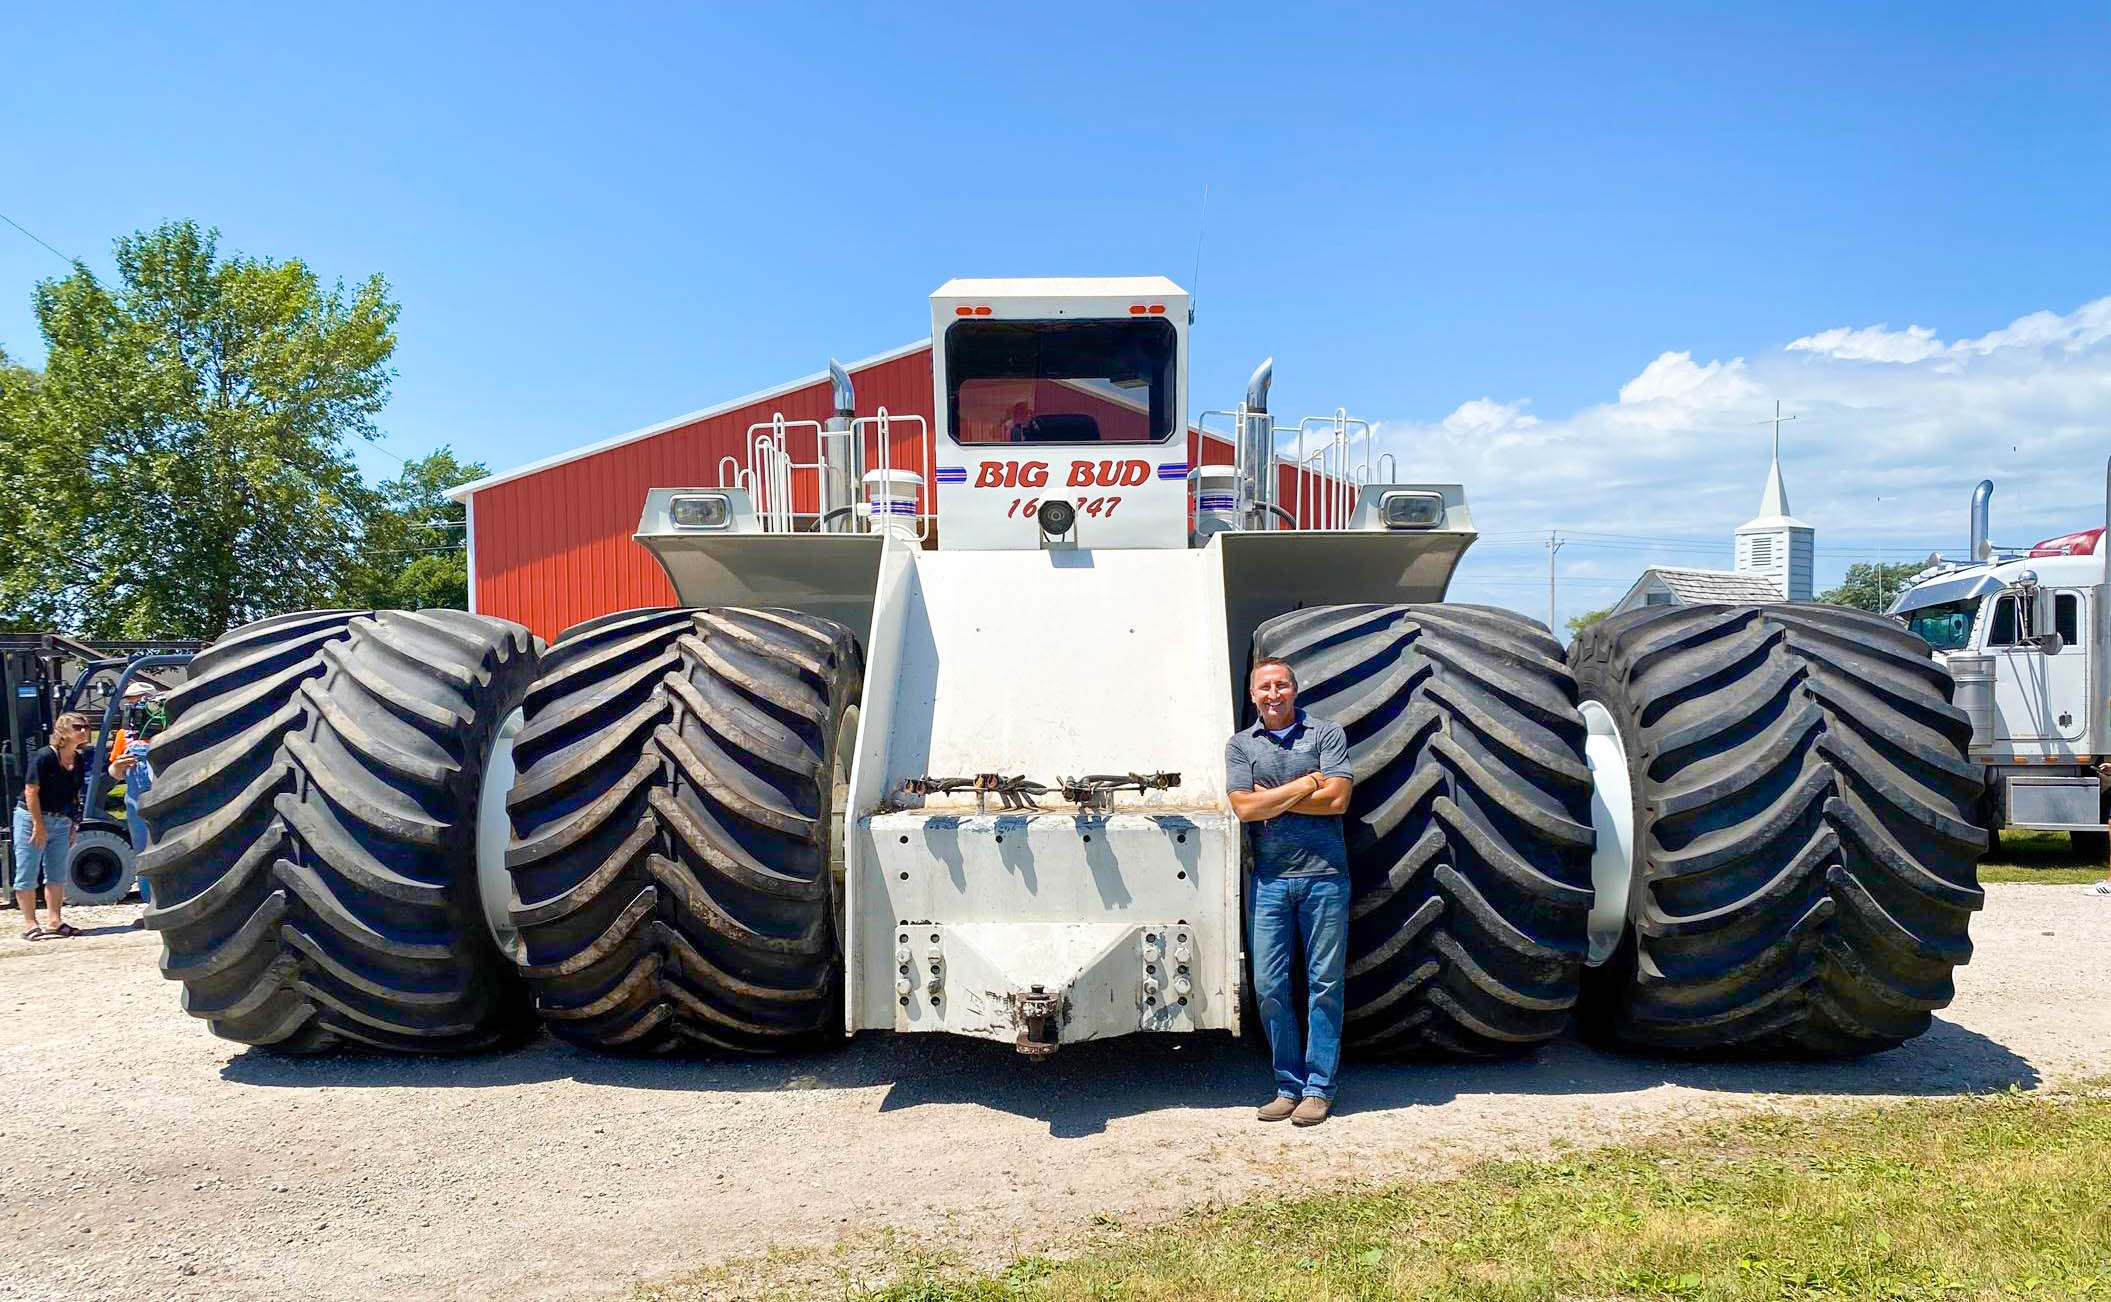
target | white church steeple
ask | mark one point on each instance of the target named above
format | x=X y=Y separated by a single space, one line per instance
x=1775 y=543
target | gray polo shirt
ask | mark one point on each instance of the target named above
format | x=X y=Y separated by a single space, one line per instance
x=1291 y=845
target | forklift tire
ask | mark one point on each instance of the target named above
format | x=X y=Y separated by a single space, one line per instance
x=314 y=817
x=100 y=867
x=671 y=859
x=1805 y=843
x=1468 y=828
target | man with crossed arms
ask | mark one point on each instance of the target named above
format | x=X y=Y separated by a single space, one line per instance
x=1288 y=780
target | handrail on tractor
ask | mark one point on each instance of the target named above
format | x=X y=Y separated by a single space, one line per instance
x=772 y=477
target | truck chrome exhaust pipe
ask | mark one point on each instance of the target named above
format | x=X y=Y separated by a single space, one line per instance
x=1982 y=497
x=1257 y=448
x=2103 y=623
x=842 y=457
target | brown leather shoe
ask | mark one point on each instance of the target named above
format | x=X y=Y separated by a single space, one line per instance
x=1310 y=1111
x=1277 y=1109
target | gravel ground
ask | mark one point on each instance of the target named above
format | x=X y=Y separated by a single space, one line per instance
x=143 y=1158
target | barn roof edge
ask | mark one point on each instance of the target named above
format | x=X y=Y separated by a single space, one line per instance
x=465 y=491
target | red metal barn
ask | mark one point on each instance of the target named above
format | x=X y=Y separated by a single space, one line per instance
x=550 y=542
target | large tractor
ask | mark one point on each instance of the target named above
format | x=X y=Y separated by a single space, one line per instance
x=935 y=743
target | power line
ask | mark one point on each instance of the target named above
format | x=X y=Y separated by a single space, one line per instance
x=1519 y=582
x=1640 y=543
x=374 y=443
x=33 y=235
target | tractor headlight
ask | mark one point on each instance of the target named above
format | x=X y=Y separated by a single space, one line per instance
x=701 y=512
x=1056 y=518
x=1411 y=510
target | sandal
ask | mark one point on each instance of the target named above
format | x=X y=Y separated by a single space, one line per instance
x=66 y=929
x=35 y=932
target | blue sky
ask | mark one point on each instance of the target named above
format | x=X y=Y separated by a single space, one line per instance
x=596 y=218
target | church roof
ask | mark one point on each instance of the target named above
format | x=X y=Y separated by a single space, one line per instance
x=1697 y=587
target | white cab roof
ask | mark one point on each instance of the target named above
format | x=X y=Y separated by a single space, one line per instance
x=1061 y=287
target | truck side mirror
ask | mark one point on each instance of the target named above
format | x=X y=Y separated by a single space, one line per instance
x=2043 y=621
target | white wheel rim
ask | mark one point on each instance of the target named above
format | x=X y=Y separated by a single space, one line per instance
x=1613 y=823
x=839 y=810
x=493 y=831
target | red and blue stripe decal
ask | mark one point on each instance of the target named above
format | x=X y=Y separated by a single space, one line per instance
x=950 y=475
x=1172 y=470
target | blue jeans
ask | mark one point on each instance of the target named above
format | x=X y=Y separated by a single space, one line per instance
x=1312 y=912
x=137 y=783
x=50 y=856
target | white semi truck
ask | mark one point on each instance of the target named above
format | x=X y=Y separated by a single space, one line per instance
x=935 y=743
x=2027 y=636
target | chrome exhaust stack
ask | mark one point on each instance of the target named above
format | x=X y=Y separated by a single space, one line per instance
x=1982 y=497
x=842 y=455
x=1256 y=449
x=2103 y=626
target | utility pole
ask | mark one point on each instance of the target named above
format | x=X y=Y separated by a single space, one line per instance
x=1553 y=546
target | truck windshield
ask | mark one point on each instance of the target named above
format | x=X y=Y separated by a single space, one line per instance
x=1946 y=627
x=1060 y=381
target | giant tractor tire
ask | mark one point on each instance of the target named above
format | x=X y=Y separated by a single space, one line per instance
x=314 y=815
x=1800 y=840
x=673 y=883
x=1468 y=826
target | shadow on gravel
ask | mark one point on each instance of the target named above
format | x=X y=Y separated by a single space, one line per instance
x=1949 y=1059
x=1085 y=1086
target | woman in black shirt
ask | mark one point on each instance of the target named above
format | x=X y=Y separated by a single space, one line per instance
x=44 y=821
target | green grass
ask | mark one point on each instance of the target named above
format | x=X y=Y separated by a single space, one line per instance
x=2042 y=857
x=1994 y=1196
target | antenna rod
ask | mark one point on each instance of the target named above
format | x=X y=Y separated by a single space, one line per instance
x=1194 y=283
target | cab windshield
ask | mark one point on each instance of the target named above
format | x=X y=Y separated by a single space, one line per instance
x=1060 y=381
x=1947 y=627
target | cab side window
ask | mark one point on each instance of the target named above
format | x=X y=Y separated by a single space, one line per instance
x=2004 y=630
x=2067 y=617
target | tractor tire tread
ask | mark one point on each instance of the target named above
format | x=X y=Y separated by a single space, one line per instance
x=313 y=856
x=1468 y=827
x=1805 y=830
x=670 y=858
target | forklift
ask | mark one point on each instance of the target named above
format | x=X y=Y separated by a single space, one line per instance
x=44 y=675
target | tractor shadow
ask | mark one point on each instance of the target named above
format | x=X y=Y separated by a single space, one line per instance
x=1949 y=1059
x=1084 y=1087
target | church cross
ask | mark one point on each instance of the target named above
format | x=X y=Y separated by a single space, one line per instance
x=1775 y=420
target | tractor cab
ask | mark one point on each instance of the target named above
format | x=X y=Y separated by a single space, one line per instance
x=1066 y=392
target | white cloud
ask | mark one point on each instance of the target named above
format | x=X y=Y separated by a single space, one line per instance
x=1875 y=343
x=1892 y=429
x=1673 y=377
x=1482 y=418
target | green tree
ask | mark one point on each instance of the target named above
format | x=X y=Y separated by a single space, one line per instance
x=1871 y=586
x=183 y=460
x=17 y=428
x=414 y=555
x=1578 y=623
